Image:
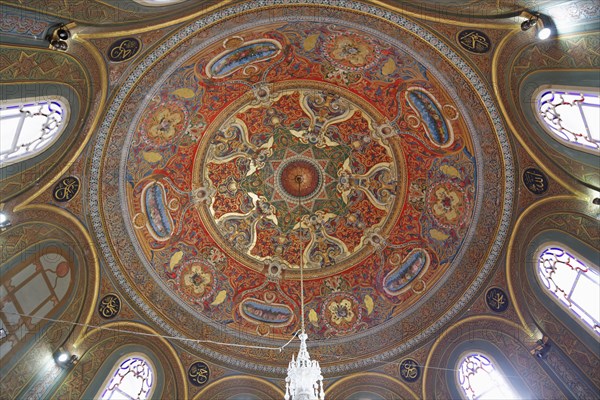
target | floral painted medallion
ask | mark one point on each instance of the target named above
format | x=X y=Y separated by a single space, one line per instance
x=287 y=173
x=339 y=139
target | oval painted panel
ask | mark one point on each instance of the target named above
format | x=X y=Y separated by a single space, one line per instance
x=227 y=63
x=412 y=265
x=260 y=312
x=435 y=124
x=159 y=220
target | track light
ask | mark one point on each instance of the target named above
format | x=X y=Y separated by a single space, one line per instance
x=543 y=23
x=64 y=359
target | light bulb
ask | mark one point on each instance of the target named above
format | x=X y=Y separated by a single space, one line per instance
x=62 y=357
x=544 y=33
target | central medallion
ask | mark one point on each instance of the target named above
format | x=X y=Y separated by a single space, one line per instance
x=299 y=178
x=327 y=139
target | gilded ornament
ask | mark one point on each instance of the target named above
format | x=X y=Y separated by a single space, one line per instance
x=66 y=189
x=410 y=370
x=474 y=41
x=198 y=373
x=109 y=306
x=496 y=300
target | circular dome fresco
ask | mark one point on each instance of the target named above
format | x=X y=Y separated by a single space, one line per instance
x=263 y=135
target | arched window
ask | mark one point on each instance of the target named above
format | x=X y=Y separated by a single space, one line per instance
x=132 y=378
x=30 y=127
x=571 y=115
x=479 y=378
x=157 y=3
x=572 y=282
x=37 y=288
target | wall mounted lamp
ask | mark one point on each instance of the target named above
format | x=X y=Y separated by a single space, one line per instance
x=542 y=348
x=4 y=220
x=58 y=38
x=64 y=359
x=544 y=24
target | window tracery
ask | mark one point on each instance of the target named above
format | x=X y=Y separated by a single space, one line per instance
x=29 y=127
x=573 y=283
x=132 y=379
x=30 y=293
x=572 y=116
x=479 y=378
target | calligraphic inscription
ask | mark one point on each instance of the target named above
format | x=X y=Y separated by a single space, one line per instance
x=198 y=373
x=109 y=306
x=535 y=180
x=66 y=189
x=123 y=49
x=474 y=41
x=410 y=370
x=496 y=300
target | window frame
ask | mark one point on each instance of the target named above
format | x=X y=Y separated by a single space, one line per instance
x=588 y=263
x=62 y=128
x=536 y=97
x=116 y=365
x=495 y=363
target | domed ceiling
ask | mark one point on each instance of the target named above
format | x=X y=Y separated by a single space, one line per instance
x=350 y=137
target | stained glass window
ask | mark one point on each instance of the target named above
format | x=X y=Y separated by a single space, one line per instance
x=479 y=378
x=572 y=116
x=132 y=379
x=573 y=283
x=29 y=127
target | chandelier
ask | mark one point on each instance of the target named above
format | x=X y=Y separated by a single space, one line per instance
x=304 y=380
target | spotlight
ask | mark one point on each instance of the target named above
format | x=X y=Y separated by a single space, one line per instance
x=64 y=359
x=544 y=33
x=58 y=37
x=544 y=24
x=542 y=348
x=528 y=24
x=62 y=33
x=4 y=220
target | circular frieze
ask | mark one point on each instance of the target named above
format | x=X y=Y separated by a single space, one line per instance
x=214 y=134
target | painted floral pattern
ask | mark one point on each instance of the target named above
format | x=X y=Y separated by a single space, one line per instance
x=341 y=312
x=197 y=281
x=351 y=52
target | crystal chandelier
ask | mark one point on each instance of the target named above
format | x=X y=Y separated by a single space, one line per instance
x=304 y=380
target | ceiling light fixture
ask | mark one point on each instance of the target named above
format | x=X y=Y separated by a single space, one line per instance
x=64 y=359
x=543 y=23
x=4 y=220
x=58 y=38
x=304 y=380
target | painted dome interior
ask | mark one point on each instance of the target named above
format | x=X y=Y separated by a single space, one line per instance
x=393 y=152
